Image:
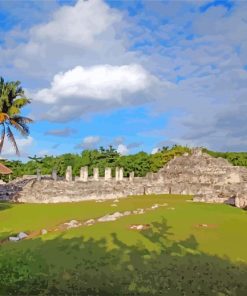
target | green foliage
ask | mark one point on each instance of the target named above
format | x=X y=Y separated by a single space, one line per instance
x=141 y=163
x=236 y=158
x=175 y=151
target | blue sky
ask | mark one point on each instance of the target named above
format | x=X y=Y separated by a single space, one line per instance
x=134 y=74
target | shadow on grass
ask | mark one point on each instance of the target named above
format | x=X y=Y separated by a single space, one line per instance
x=88 y=267
x=4 y=205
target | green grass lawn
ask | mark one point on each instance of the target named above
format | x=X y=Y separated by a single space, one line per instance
x=94 y=260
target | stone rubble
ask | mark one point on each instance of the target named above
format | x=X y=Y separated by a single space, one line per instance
x=43 y=231
x=139 y=226
x=20 y=236
x=14 y=238
x=72 y=224
x=107 y=218
x=110 y=217
x=89 y=222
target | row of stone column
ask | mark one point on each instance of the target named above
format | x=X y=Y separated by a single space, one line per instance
x=108 y=174
x=119 y=174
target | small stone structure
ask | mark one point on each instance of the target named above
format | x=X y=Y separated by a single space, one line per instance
x=108 y=174
x=54 y=175
x=96 y=174
x=206 y=178
x=68 y=174
x=84 y=174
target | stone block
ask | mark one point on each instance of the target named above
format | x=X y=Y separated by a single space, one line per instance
x=117 y=174
x=54 y=175
x=84 y=174
x=108 y=174
x=96 y=174
x=121 y=175
x=131 y=176
x=38 y=175
x=68 y=174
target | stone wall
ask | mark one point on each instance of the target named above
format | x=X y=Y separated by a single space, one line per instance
x=207 y=178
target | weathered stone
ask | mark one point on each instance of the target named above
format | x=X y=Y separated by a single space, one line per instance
x=89 y=222
x=43 y=231
x=241 y=202
x=14 y=238
x=117 y=174
x=54 y=175
x=107 y=174
x=96 y=174
x=127 y=213
x=111 y=217
x=131 y=176
x=68 y=174
x=139 y=226
x=22 y=235
x=84 y=174
x=72 y=224
x=121 y=174
x=207 y=178
x=38 y=175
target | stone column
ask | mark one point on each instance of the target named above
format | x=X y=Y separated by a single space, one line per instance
x=68 y=174
x=84 y=174
x=54 y=175
x=96 y=174
x=107 y=173
x=131 y=176
x=38 y=175
x=117 y=174
x=120 y=176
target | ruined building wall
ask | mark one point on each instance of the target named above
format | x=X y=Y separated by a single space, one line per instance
x=207 y=178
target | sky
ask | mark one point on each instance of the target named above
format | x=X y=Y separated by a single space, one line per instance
x=137 y=75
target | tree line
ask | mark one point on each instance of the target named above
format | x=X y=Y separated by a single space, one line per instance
x=141 y=163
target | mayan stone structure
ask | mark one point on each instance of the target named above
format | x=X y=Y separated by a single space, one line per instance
x=206 y=178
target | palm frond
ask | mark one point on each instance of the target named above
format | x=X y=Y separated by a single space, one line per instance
x=2 y=137
x=21 y=102
x=22 y=119
x=20 y=126
x=12 y=140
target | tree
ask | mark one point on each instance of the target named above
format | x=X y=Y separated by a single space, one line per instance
x=12 y=100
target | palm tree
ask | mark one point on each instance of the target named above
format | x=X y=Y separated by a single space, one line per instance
x=12 y=99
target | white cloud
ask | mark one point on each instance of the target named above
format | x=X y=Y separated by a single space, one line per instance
x=102 y=82
x=154 y=150
x=83 y=34
x=64 y=132
x=88 y=90
x=122 y=149
x=23 y=145
x=206 y=51
x=79 y=25
x=90 y=142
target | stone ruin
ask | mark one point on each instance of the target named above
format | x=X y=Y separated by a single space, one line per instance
x=206 y=178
